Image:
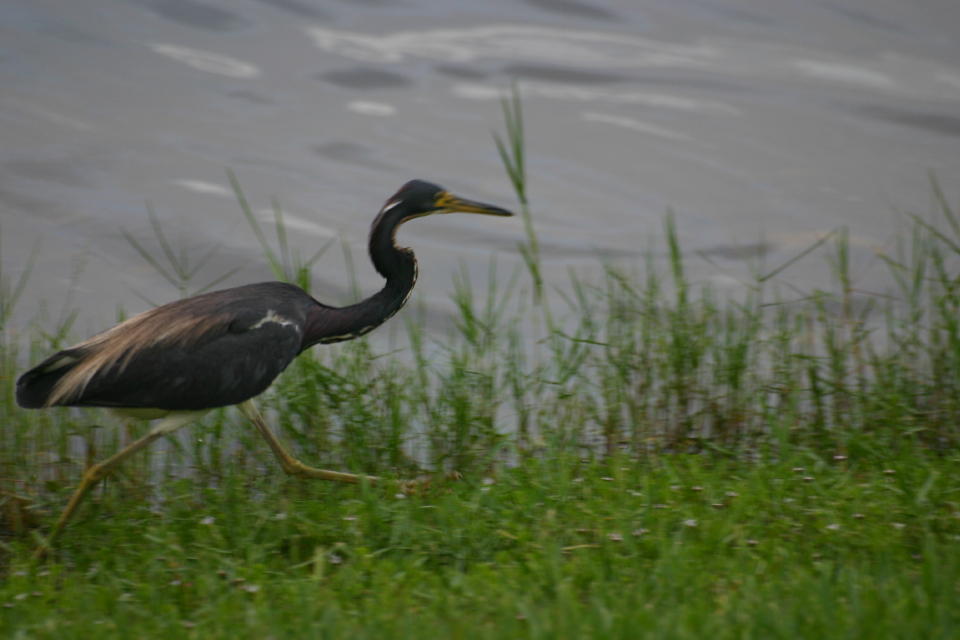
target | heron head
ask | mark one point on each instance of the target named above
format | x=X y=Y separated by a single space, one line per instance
x=420 y=198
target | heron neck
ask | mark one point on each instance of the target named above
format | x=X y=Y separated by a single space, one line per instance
x=398 y=265
x=359 y=319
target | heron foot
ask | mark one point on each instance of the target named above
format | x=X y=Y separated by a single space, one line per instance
x=294 y=467
x=16 y=513
x=423 y=483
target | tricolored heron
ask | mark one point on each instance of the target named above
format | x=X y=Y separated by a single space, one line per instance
x=177 y=361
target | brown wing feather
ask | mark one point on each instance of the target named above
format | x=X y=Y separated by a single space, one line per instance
x=175 y=323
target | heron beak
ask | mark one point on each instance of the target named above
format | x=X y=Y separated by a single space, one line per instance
x=449 y=203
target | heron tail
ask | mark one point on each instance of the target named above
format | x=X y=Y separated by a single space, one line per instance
x=35 y=387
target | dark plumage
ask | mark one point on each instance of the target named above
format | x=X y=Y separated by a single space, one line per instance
x=226 y=347
x=208 y=351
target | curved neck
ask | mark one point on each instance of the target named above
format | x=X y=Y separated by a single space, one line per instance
x=397 y=265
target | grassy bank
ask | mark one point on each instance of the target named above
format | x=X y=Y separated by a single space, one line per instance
x=640 y=457
x=681 y=546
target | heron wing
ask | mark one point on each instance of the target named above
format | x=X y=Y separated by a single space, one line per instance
x=175 y=357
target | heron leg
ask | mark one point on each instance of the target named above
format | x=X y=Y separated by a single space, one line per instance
x=290 y=464
x=98 y=471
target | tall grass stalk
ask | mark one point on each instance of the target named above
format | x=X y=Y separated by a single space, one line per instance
x=285 y=262
x=511 y=148
x=174 y=265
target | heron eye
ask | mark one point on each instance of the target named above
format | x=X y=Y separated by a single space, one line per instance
x=443 y=200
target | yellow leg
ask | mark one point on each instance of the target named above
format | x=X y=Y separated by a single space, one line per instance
x=102 y=469
x=290 y=464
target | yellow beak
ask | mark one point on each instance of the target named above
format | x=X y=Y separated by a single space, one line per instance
x=449 y=203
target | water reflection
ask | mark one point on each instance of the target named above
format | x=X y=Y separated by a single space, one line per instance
x=252 y=97
x=513 y=42
x=750 y=251
x=461 y=72
x=946 y=124
x=299 y=9
x=550 y=73
x=844 y=73
x=635 y=125
x=653 y=99
x=208 y=61
x=574 y=9
x=196 y=14
x=209 y=188
x=365 y=78
x=63 y=171
x=350 y=152
x=371 y=108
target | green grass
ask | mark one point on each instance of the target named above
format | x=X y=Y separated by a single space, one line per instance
x=641 y=458
x=684 y=546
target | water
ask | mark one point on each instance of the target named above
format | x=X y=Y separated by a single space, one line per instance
x=761 y=125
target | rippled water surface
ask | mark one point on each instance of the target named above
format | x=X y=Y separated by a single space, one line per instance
x=762 y=125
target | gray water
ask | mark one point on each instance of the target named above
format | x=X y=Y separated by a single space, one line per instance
x=762 y=124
